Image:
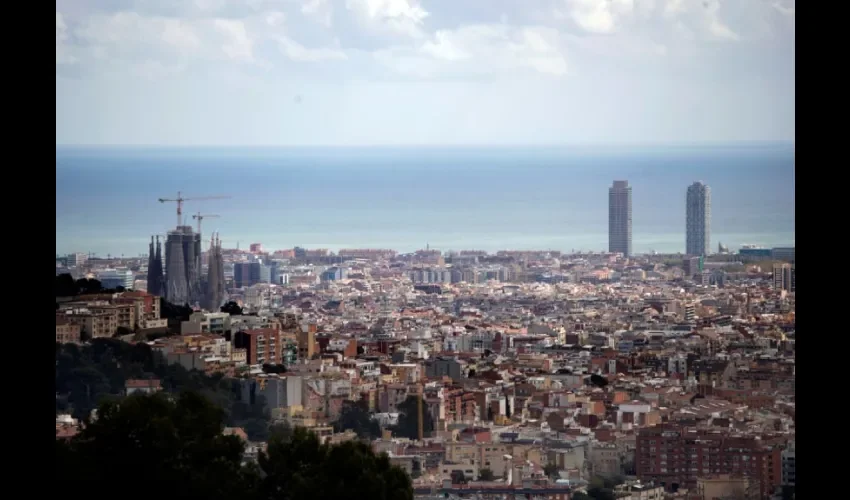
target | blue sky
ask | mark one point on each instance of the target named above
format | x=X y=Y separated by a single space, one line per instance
x=417 y=72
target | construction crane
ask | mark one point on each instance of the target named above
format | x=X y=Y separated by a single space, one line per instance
x=180 y=199
x=199 y=217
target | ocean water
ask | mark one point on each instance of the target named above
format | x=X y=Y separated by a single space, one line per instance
x=407 y=198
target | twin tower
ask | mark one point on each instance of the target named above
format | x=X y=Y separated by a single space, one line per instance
x=697 y=219
x=180 y=280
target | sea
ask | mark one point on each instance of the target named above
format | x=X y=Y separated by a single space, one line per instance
x=410 y=198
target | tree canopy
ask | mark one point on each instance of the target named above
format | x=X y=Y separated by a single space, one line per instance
x=355 y=417
x=66 y=286
x=232 y=308
x=179 y=439
x=89 y=374
x=408 y=419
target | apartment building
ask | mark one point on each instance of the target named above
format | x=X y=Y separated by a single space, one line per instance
x=262 y=345
x=676 y=456
x=125 y=314
x=93 y=325
x=66 y=331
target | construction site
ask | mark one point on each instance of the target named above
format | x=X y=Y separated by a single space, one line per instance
x=180 y=278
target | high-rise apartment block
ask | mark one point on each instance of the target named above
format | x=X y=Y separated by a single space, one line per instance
x=675 y=457
x=620 y=218
x=698 y=219
x=784 y=277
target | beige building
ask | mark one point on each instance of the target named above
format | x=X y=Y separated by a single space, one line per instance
x=125 y=314
x=605 y=460
x=94 y=325
x=481 y=455
x=723 y=487
x=645 y=492
x=66 y=331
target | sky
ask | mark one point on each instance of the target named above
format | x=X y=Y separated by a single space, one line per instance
x=423 y=72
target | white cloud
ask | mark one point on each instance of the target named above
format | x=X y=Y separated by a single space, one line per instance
x=480 y=49
x=63 y=55
x=238 y=45
x=274 y=18
x=716 y=26
x=404 y=17
x=297 y=52
x=597 y=16
x=320 y=10
x=788 y=11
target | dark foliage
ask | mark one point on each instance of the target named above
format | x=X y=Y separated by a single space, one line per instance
x=65 y=286
x=598 y=380
x=232 y=308
x=270 y=368
x=179 y=441
x=355 y=417
x=170 y=311
x=89 y=374
x=486 y=475
x=408 y=419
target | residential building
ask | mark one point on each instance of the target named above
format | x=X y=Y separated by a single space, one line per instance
x=789 y=465
x=675 y=456
x=66 y=331
x=784 y=277
x=262 y=346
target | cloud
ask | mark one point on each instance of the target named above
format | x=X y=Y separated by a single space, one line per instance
x=297 y=52
x=238 y=45
x=404 y=17
x=601 y=17
x=62 y=52
x=787 y=11
x=716 y=26
x=479 y=50
x=319 y=10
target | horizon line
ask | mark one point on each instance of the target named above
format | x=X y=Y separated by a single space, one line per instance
x=435 y=145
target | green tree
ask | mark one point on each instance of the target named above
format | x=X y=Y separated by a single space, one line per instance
x=355 y=416
x=551 y=470
x=65 y=286
x=178 y=440
x=232 y=308
x=408 y=419
x=486 y=475
x=302 y=467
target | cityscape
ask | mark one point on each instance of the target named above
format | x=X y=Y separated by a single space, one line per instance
x=540 y=372
x=362 y=249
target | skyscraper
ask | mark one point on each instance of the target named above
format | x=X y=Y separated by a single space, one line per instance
x=620 y=218
x=698 y=220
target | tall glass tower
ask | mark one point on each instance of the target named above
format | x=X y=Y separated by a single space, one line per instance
x=698 y=220
x=620 y=218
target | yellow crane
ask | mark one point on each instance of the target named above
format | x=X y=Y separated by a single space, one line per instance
x=180 y=199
